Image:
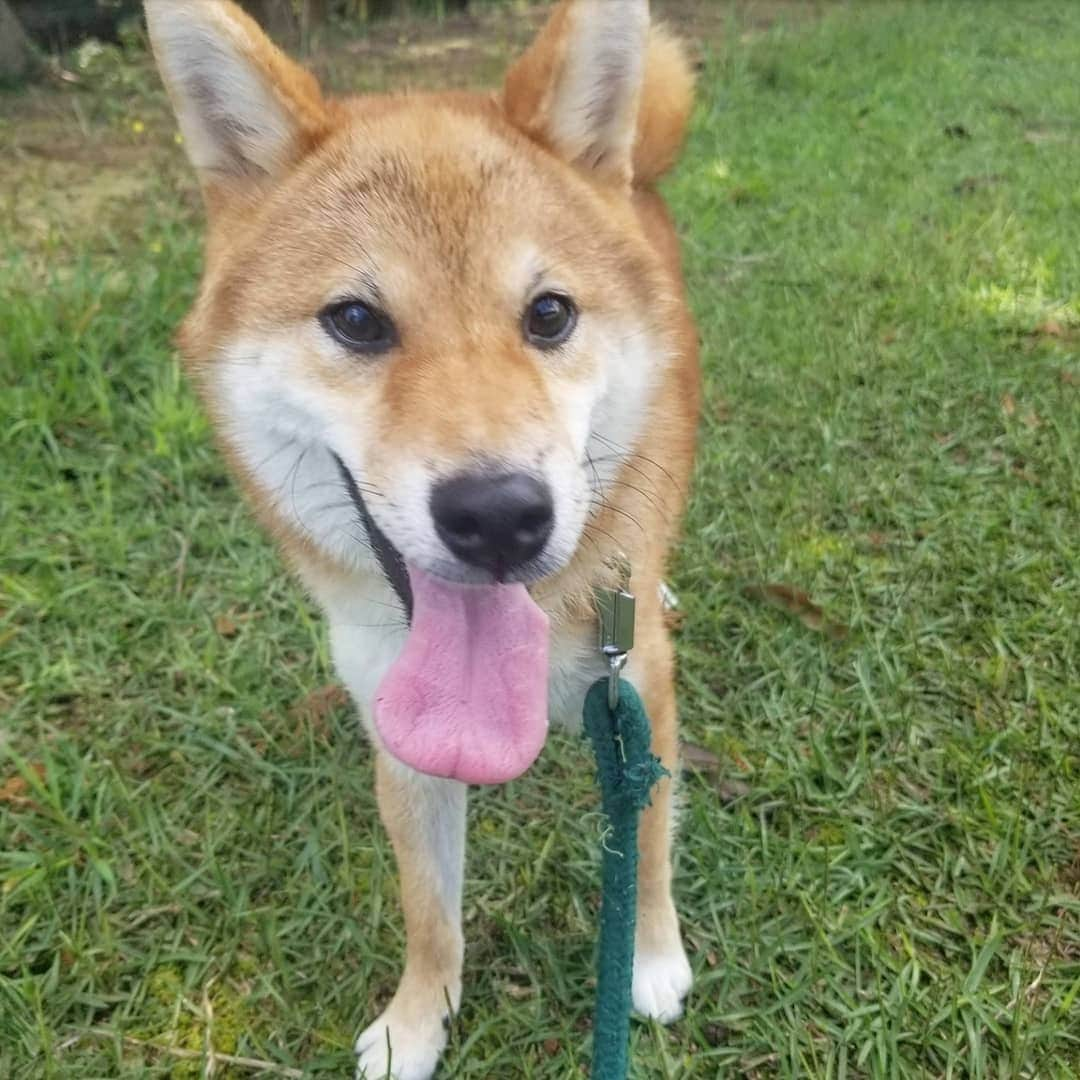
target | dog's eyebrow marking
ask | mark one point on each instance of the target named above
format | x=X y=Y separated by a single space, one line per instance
x=366 y=283
x=537 y=280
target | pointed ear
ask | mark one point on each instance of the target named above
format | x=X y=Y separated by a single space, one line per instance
x=577 y=88
x=244 y=108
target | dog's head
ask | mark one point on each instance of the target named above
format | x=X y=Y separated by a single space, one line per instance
x=445 y=303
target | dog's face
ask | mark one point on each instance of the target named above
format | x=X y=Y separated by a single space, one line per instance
x=441 y=307
x=432 y=299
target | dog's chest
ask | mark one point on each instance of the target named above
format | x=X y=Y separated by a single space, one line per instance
x=575 y=664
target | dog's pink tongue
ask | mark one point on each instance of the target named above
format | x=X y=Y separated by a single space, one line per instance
x=467 y=697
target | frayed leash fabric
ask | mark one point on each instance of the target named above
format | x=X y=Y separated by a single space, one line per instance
x=627 y=770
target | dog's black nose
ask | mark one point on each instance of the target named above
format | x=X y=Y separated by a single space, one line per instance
x=493 y=521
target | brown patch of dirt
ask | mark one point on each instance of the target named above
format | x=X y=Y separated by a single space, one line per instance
x=77 y=158
x=462 y=51
x=77 y=162
x=472 y=49
x=58 y=196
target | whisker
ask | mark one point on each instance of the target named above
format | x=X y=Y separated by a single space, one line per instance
x=626 y=463
x=624 y=483
x=605 y=505
x=588 y=528
x=591 y=539
x=288 y=444
x=396 y=624
x=325 y=508
x=627 y=452
x=660 y=506
x=595 y=471
x=291 y=480
x=374 y=492
x=365 y=275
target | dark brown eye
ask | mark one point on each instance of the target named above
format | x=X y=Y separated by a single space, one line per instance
x=359 y=326
x=550 y=320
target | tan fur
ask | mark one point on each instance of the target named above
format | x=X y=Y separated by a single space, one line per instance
x=433 y=193
x=663 y=111
x=666 y=101
x=433 y=965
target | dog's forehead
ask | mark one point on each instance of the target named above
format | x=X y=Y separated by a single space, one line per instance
x=421 y=206
x=416 y=202
x=429 y=173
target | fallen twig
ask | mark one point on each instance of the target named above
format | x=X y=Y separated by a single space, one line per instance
x=213 y=1057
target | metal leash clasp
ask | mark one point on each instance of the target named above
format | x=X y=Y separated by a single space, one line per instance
x=616 y=609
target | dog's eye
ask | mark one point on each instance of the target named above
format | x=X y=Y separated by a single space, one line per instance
x=359 y=326
x=549 y=320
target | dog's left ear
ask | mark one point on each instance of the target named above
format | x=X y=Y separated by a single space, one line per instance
x=577 y=89
x=246 y=111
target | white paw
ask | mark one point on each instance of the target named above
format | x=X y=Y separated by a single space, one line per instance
x=401 y=1045
x=661 y=980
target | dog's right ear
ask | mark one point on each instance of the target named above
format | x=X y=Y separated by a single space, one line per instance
x=245 y=110
x=577 y=88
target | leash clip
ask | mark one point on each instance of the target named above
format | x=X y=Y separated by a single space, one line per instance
x=616 y=609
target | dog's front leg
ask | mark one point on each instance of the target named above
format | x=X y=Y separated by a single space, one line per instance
x=662 y=975
x=425 y=818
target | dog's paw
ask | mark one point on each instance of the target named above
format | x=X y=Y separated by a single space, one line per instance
x=662 y=979
x=403 y=1044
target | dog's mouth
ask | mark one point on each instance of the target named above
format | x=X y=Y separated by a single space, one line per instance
x=391 y=561
x=467 y=697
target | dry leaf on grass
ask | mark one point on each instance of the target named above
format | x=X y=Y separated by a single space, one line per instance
x=1037 y=136
x=321 y=702
x=315 y=707
x=699 y=758
x=1050 y=328
x=798 y=603
x=228 y=623
x=13 y=790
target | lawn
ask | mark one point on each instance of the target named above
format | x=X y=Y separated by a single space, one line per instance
x=880 y=870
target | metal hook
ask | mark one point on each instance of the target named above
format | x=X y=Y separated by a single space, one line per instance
x=616 y=662
x=616 y=610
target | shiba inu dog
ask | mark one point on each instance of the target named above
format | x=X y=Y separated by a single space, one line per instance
x=444 y=342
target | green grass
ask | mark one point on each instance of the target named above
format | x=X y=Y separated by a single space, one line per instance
x=189 y=852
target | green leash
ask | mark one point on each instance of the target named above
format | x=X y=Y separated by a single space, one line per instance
x=628 y=770
x=616 y=722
